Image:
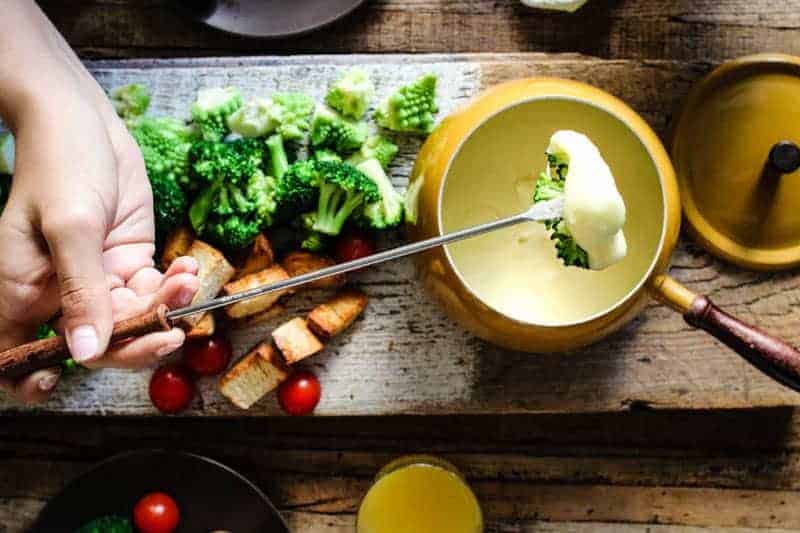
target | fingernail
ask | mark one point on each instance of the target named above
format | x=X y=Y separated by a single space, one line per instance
x=48 y=382
x=83 y=343
x=185 y=297
x=166 y=350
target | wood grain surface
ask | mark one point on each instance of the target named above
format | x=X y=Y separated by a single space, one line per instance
x=629 y=472
x=405 y=356
x=687 y=30
x=667 y=472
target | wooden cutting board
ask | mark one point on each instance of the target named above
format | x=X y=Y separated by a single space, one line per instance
x=405 y=356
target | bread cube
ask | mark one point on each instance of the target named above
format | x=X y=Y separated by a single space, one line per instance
x=334 y=316
x=295 y=340
x=255 y=375
x=257 y=304
x=302 y=262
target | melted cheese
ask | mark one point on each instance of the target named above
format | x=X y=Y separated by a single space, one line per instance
x=594 y=211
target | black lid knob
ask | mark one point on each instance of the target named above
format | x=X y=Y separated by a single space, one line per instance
x=785 y=157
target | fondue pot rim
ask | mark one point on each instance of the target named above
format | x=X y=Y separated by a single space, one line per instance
x=644 y=278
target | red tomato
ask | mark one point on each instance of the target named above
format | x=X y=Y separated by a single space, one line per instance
x=353 y=245
x=299 y=394
x=171 y=389
x=209 y=356
x=156 y=513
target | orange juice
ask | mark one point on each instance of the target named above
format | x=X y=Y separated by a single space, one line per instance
x=420 y=495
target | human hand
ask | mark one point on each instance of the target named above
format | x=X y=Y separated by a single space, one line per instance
x=77 y=232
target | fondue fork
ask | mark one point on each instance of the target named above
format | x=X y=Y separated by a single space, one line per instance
x=52 y=351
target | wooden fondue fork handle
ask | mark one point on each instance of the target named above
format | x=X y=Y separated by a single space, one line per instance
x=44 y=353
x=774 y=357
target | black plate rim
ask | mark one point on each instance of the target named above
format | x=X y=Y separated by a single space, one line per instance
x=163 y=451
x=270 y=36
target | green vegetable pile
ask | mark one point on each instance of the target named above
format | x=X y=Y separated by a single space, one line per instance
x=549 y=186
x=227 y=170
x=108 y=524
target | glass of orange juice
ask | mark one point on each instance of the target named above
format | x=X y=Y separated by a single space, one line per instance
x=422 y=494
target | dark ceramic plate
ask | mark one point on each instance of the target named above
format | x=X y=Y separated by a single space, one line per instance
x=210 y=495
x=267 y=18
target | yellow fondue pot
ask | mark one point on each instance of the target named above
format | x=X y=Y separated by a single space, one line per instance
x=518 y=117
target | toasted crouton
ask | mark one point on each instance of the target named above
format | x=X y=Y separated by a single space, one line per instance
x=301 y=262
x=256 y=374
x=260 y=257
x=334 y=316
x=251 y=281
x=205 y=327
x=296 y=341
x=214 y=273
x=274 y=311
x=177 y=244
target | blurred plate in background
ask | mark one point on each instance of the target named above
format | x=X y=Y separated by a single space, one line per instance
x=210 y=495
x=267 y=18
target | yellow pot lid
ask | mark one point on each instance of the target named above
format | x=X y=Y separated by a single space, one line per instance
x=735 y=150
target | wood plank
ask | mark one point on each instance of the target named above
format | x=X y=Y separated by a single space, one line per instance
x=662 y=29
x=419 y=362
x=622 y=472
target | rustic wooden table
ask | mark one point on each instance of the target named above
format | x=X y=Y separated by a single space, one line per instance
x=678 y=448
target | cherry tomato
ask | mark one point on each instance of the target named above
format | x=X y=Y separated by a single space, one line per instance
x=353 y=245
x=156 y=512
x=299 y=394
x=209 y=356
x=171 y=389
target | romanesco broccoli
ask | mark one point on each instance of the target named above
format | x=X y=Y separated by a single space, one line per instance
x=351 y=94
x=411 y=108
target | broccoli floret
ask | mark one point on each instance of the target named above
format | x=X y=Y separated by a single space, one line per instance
x=169 y=204
x=211 y=111
x=288 y=114
x=375 y=147
x=256 y=118
x=294 y=115
x=233 y=162
x=297 y=191
x=550 y=185
x=131 y=101
x=278 y=161
x=342 y=190
x=232 y=215
x=351 y=94
x=387 y=211
x=46 y=331
x=260 y=192
x=6 y=153
x=233 y=232
x=326 y=155
x=107 y=524
x=411 y=108
x=165 y=144
x=410 y=201
x=332 y=130
x=548 y=188
x=308 y=237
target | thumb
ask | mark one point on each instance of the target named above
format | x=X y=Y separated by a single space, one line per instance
x=76 y=247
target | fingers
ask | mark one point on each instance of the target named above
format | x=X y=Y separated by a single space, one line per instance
x=33 y=388
x=177 y=290
x=76 y=244
x=141 y=352
x=145 y=281
x=183 y=264
x=125 y=260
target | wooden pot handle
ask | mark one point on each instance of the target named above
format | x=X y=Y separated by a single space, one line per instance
x=773 y=356
x=45 y=353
